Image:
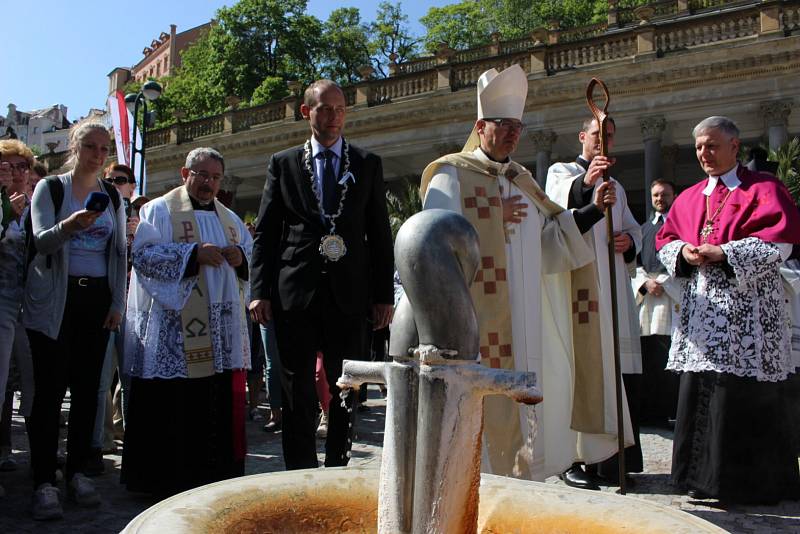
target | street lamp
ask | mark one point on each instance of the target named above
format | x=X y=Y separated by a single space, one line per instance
x=151 y=90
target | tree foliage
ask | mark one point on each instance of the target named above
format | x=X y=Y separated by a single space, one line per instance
x=256 y=46
x=470 y=23
x=788 y=158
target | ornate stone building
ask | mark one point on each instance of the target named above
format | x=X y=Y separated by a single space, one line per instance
x=161 y=57
x=667 y=66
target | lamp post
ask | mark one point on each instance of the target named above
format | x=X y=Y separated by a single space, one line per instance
x=150 y=91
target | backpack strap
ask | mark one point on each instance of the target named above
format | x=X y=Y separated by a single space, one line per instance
x=56 y=190
x=112 y=192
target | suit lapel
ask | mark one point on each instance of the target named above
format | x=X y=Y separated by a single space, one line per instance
x=306 y=192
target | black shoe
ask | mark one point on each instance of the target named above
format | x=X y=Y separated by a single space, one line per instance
x=697 y=494
x=272 y=426
x=576 y=477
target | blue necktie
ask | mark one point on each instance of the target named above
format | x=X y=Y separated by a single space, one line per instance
x=330 y=193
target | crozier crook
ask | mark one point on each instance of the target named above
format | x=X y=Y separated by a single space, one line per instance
x=430 y=472
x=601 y=117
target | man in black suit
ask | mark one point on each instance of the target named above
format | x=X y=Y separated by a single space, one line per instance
x=656 y=296
x=322 y=264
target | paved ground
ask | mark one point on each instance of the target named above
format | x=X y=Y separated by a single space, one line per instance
x=119 y=507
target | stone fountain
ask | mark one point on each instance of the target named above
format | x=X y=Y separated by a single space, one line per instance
x=430 y=480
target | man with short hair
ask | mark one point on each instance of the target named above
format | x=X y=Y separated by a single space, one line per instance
x=522 y=291
x=725 y=239
x=322 y=261
x=571 y=185
x=657 y=295
x=186 y=343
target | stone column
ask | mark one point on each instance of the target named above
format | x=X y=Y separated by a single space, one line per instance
x=652 y=129
x=542 y=145
x=669 y=160
x=229 y=185
x=776 y=115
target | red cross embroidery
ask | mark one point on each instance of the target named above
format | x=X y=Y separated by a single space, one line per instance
x=488 y=275
x=188 y=232
x=481 y=202
x=583 y=306
x=494 y=351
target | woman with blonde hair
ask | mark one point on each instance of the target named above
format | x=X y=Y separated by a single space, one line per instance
x=74 y=295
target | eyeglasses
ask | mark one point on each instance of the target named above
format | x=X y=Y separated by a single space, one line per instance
x=203 y=175
x=120 y=180
x=19 y=167
x=508 y=124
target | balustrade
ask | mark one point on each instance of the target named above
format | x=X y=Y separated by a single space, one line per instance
x=565 y=57
x=790 y=18
x=243 y=119
x=157 y=137
x=389 y=89
x=669 y=31
x=734 y=26
x=467 y=75
x=200 y=127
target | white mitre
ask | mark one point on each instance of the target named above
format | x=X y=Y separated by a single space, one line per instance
x=501 y=95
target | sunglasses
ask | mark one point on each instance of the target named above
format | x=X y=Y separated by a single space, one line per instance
x=19 y=167
x=120 y=180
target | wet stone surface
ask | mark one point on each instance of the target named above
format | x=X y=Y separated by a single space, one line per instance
x=264 y=455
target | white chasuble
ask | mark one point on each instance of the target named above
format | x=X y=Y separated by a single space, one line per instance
x=540 y=252
x=158 y=292
x=560 y=178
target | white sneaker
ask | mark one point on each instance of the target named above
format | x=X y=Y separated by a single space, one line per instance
x=81 y=490
x=45 y=504
x=322 y=429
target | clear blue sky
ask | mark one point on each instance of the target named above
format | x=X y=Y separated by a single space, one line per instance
x=60 y=51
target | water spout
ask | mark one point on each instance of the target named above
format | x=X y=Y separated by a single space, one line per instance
x=430 y=472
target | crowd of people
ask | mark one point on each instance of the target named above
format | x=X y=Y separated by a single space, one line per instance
x=162 y=317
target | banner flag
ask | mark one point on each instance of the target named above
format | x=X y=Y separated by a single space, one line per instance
x=121 y=120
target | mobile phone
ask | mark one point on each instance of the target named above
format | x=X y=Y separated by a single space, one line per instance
x=97 y=201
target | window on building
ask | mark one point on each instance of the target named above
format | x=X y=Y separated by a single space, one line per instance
x=158 y=70
x=35 y=130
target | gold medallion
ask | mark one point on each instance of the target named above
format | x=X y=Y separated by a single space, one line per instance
x=332 y=247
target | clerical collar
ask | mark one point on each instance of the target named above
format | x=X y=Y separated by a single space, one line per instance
x=484 y=158
x=317 y=147
x=197 y=206
x=730 y=179
x=582 y=162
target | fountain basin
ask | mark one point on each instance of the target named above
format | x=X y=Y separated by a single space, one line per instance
x=345 y=500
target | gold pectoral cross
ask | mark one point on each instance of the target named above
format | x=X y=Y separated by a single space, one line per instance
x=708 y=229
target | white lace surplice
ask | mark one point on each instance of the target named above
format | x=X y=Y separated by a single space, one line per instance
x=158 y=292
x=733 y=325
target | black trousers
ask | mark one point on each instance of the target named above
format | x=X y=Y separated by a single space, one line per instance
x=322 y=326
x=73 y=360
x=659 y=386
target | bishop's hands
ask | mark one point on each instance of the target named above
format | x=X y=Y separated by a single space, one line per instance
x=702 y=254
x=514 y=210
